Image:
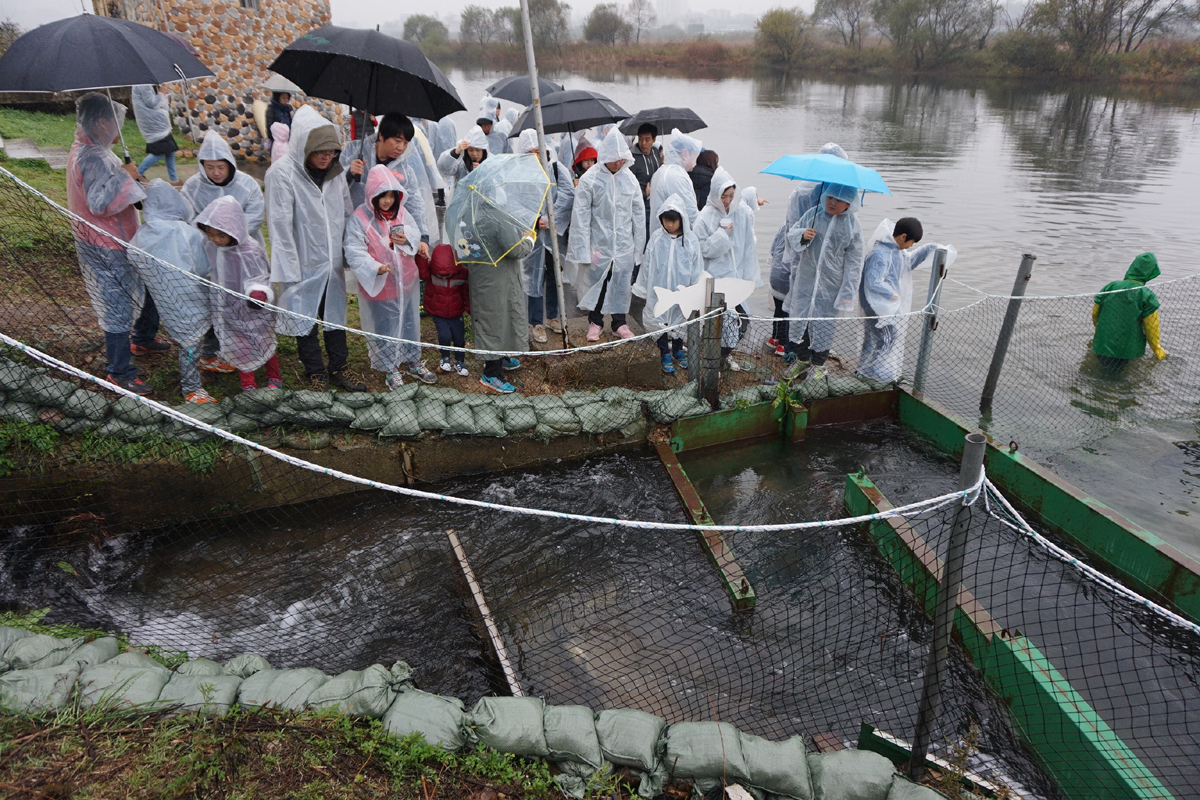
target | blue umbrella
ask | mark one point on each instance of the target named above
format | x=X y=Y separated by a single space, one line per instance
x=824 y=168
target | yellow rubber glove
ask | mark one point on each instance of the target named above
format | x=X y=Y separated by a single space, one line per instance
x=1150 y=326
x=1095 y=314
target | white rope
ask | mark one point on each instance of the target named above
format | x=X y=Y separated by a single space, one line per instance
x=1023 y=527
x=126 y=246
x=931 y=504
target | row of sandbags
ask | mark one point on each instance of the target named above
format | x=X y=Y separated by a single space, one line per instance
x=42 y=673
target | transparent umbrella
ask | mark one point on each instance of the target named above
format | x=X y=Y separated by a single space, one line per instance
x=495 y=207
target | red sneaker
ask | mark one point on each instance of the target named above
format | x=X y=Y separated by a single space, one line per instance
x=152 y=348
x=134 y=385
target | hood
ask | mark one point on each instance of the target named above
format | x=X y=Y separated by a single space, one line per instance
x=832 y=149
x=676 y=203
x=682 y=149
x=381 y=179
x=613 y=147
x=511 y=115
x=477 y=138
x=527 y=141
x=1144 y=268
x=279 y=132
x=312 y=132
x=225 y=214
x=489 y=107
x=721 y=180
x=94 y=114
x=838 y=191
x=215 y=148
x=750 y=197
x=163 y=202
x=585 y=154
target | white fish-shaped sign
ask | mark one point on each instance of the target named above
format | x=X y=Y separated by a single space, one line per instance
x=691 y=298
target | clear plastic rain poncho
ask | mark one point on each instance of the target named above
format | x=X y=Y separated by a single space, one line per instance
x=200 y=191
x=608 y=228
x=446 y=138
x=825 y=278
x=489 y=108
x=246 y=333
x=671 y=262
x=152 y=113
x=504 y=128
x=306 y=224
x=562 y=201
x=727 y=237
x=388 y=304
x=505 y=193
x=420 y=162
x=749 y=196
x=102 y=193
x=168 y=236
x=408 y=165
x=456 y=167
x=803 y=197
x=679 y=156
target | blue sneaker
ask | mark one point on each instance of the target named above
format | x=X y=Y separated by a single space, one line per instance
x=501 y=386
x=667 y=365
x=511 y=364
x=681 y=360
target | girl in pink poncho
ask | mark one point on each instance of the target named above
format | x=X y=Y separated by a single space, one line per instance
x=279 y=137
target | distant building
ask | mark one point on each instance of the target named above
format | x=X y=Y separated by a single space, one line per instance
x=236 y=39
x=672 y=12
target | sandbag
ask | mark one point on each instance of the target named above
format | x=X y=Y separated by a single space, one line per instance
x=617 y=393
x=97 y=651
x=473 y=400
x=488 y=421
x=681 y=402
x=443 y=394
x=208 y=413
x=288 y=689
x=356 y=400
x=846 y=384
x=8 y=635
x=438 y=719
x=812 y=389
x=40 y=651
x=630 y=738
x=246 y=665
x=361 y=693
x=13 y=376
x=135 y=412
x=130 y=679
x=546 y=433
x=402 y=420
x=571 y=735
x=904 y=789
x=200 y=667
x=238 y=422
x=29 y=691
x=398 y=395
x=334 y=415
x=518 y=419
x=573 y=398
x=116 y=428
x=512 y=400
x=372 y=417
x=207 y=694
x=779 y=768
x=43 y=390
x=431 y=414
x=704 y=751
x=543 y=402
x=746 y=395
x=86 y=405
x=306 y=400
x=608 y=416
x=19 y=412
x=460 y=420
x=561 y=419
x=510 y=725
x=73 y=426
x=573 y=778
x=850 y=775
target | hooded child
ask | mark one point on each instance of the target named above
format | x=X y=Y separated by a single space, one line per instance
x=307 y=203
x=174 y=257
x=280 y=134
x=446 y=299
x=278 y=112
x=470 y=151
x=101 y=191
x=488 y=119
x=672 y=260
x=152 y=111
x=245 y=328
x=1125 y=315
x=608 y=235
x=537 y=272
x=381 y=241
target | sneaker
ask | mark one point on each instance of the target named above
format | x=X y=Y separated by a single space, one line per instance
x=681 y=360
x=499 y=384
x=511 y=364
x=421 y=372
x=344 y=381
x=772 y=342
x=215 y=364
x=318 y=382
x=624 y=332
x=796 y=365
x=668 y=365
x=779 y=351
x=554 y=325
x=594 y=331
x=445 y=366
x=199 y=397
x=733 y=365
x=538 y=334
x=249 y=385
x=274 y=383
x=394 y=381
x=461 y=369
x=817 y=373
x=135 y=385
x=150 y=348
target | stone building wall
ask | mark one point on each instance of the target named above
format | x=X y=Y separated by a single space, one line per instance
x=237 y=40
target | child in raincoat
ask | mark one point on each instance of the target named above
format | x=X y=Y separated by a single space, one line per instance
x=380 y=242
x=672 y=260
x=1125 y=315
x=167 y=246
x=245 y=328
x=280 y=134
x=447 y=298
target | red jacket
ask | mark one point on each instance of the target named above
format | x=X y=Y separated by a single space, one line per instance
x=445 y=283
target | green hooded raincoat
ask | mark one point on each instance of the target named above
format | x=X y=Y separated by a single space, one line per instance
x=1119 y=331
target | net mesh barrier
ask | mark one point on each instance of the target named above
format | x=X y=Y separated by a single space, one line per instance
x=120 y=515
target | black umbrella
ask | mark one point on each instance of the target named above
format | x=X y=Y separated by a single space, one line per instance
x=368 y=70
x=515 y=88
x=570 y=111
x=664 y=118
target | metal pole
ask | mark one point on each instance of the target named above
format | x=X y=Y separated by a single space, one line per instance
x=544 y=151
x=936 y=274
x=1006 y=331
x=974 y=447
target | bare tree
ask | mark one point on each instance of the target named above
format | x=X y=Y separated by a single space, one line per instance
x=476 y=25
x=640 y=14
x=847 y=17
x=9 y=33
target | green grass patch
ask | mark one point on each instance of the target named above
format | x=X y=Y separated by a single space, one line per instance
x=47 y=129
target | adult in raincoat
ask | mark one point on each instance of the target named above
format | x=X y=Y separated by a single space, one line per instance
x=488 y=119
x=388 y=146
x=245 y=328
x=167 y=251
x=102 y=192
x=471 y=151
x=152 y=111
x=608 y=235
x=380 y=246
x=445 y=137
x=725 y=228
x=537 y=270
x=672 y=260
x=307 y=203
x=678 y=158
x=1125 y=315
x=826 y=247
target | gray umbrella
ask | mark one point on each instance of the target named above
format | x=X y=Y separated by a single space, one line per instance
x=570 y=111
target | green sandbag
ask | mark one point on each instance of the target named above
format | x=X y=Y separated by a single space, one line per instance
x=40 y=651
x=271 y=417
x=371 y=418
x=460 y=421
x=135 y=412
x=488 y=420
x=510 y=725
x=356 y=400
x=681 y=402
x=238 y=422
x=850 y=775
x=609 y=416
x=200 y=667
x=651 y=395
x=746 y=395
x=518 y=419
x=617 y=393
x=573 y=398
x=207 y=694
x=267 y=399
x=812 y=389
x=30 y=691
x=431 y=414
x=846 y=384
x=8 y=635
x=444 y=394
x=246 y=665
x=42 y=390
x=13 y=376
x=562 y=419
x=473 y=400
x=630 y=738
x=334 y=415
x=308 y=400
x=546 y=433
x=402 y=420
x=94 y=652
x=543 y=402
x=288 y=689
x=72 y=426
x=130 y=679
x=513 y=400
x=704 y=751
x=438 y=719
x=361 y=693
x=406 y=392
x=573 y=779
x=779 y=768
x=19 y=412
x=904 y=789
x=571 y=735
x=116 y=428
x=208 y=413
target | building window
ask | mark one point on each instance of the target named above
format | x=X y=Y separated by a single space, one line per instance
x=251 y=5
